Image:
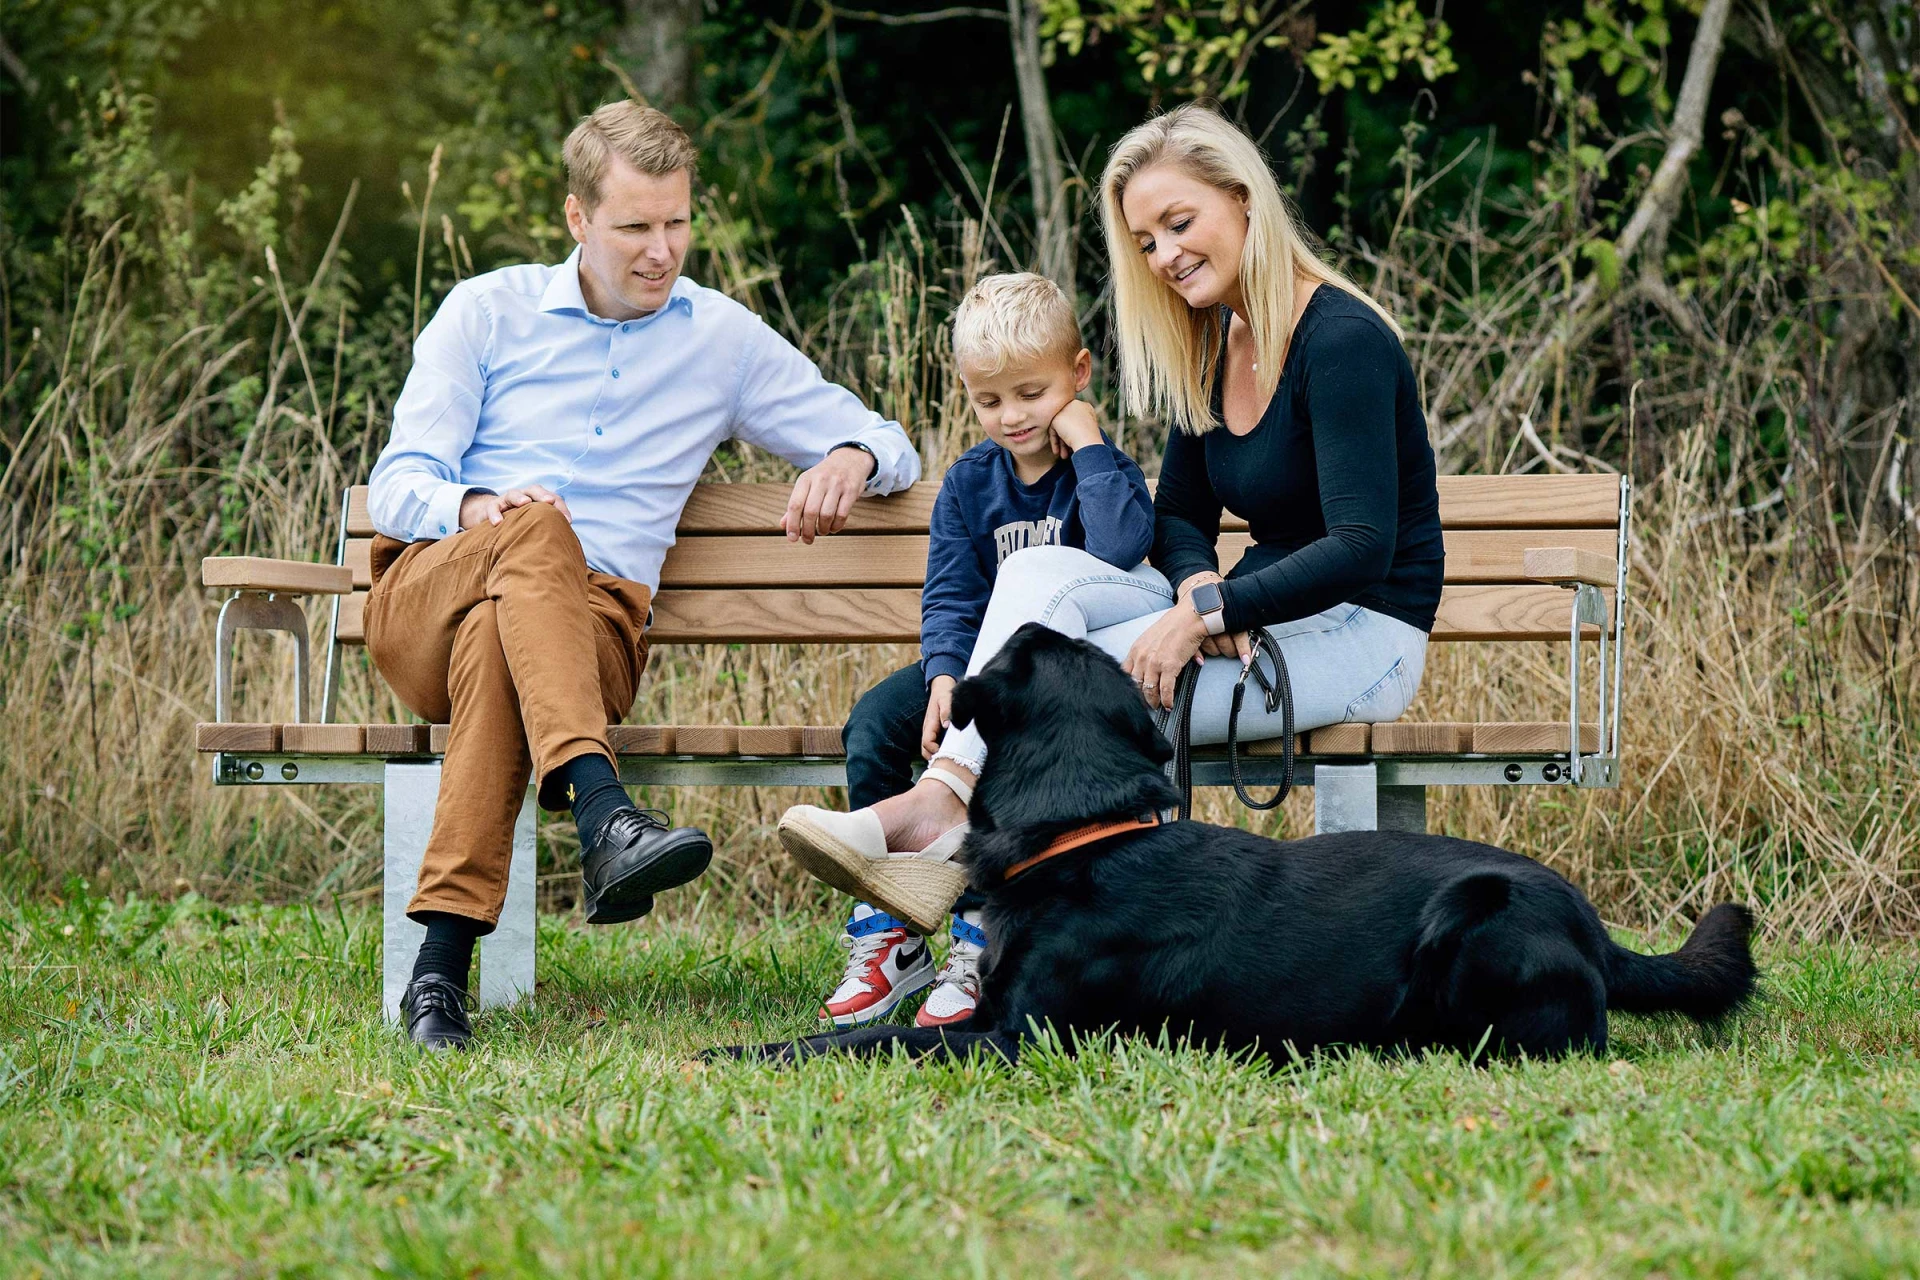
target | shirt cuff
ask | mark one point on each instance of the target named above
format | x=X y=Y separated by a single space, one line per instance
x=1178 y=571
x=1233 y=610
x=1094 y=460
x=943 y=664
x=443 y=512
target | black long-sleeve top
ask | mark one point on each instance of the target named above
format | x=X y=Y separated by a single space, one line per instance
x=1336 y=483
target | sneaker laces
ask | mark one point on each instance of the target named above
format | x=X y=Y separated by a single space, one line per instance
x=865 y=940
x=962 y=966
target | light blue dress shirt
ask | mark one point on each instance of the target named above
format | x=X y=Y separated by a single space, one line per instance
x=515 y=382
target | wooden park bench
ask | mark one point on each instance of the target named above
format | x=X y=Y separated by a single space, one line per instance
x=1529 y=559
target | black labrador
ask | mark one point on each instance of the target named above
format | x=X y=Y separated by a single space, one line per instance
x=1384 y=940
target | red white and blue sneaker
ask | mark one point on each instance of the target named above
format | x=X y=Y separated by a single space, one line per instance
x=956 y=991
x=886 y=963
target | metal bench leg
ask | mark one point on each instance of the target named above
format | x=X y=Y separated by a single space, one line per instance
x=1345 y=798
x=1402 y=809
x=506 y=954
x=410 y=794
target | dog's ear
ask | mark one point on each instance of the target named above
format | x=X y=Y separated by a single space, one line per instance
x=970 y=696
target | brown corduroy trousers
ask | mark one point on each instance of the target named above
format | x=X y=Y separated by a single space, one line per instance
x=504 y=634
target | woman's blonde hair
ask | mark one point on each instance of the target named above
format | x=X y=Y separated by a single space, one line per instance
x=1169 y=351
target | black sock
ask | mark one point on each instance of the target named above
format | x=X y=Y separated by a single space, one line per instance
x=448 y=950
x=593 y=789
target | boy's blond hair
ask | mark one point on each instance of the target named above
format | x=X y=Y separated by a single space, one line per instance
x=1015 y=317
x=647 y=139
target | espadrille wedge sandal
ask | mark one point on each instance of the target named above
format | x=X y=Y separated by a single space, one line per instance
x=849 y=852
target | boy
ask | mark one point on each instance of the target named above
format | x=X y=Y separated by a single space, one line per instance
x=1045 y=475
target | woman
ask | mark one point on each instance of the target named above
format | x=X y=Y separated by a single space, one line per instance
x=1293 y=406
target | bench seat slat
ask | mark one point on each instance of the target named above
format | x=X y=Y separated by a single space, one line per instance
x=892 y=615
x=1401 y=738
x=900 y=560
x=399 y=739
x=323 y=739
x=1530 y=738
x=1466 y=502
x=773 y=616
x=1499 y=738
x=236 y=736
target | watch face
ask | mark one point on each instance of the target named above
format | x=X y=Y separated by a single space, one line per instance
x=1206 y=597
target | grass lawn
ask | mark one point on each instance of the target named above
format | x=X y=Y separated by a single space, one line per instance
x=185 y=1089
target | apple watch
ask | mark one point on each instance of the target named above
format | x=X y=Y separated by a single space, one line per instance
x=1211 y=606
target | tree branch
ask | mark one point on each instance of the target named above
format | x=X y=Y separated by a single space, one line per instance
x=1585 y=309
x=16 y=68
x=1044 y=170
x=912 y=19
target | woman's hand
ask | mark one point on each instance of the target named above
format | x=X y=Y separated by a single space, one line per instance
x=1162 y=651
x=1231 y=644
x=939 y=714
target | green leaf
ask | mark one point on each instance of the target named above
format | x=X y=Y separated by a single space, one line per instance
x=1606 y=262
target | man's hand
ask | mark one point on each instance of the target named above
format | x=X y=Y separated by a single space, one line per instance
x=491 y=507
x=823 y=496
x=1074 y=427
x=1232 y=644
x=939 y=715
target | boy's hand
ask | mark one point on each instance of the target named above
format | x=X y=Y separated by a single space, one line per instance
x=1074 y=427
x=939 y=715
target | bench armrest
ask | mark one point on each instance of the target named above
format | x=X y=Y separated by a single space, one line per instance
x=282 y=577
x=1567 y=566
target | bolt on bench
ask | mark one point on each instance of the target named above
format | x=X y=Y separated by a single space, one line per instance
x=1529 y=559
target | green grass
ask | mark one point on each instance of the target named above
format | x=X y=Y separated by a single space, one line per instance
x=185 y=1089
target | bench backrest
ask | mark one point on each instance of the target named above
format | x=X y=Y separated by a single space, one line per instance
x=734 y=578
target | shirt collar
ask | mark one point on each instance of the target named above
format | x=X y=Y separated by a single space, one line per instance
x=563 y=290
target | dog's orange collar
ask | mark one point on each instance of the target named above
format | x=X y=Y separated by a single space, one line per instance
x=1067 y=841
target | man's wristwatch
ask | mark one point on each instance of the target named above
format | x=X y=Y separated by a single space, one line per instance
x=855 y=444
x=1211 y=606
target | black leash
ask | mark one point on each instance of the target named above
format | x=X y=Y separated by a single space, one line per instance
x=1177 y=723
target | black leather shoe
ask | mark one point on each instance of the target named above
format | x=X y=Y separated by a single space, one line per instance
x=634 y=856
x=436 y=1012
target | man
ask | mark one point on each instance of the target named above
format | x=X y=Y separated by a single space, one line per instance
x=553 y=425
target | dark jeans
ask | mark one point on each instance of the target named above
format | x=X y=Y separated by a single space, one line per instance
x=882 y=740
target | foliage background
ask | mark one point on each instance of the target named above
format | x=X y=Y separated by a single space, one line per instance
x=224 y=220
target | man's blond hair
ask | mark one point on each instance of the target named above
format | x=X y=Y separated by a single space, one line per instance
x=647 y=139
x=1016 y=317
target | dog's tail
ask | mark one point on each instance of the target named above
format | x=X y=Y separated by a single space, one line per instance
x=1709 y=977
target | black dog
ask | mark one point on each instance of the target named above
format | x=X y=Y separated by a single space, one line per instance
x=1378 y=939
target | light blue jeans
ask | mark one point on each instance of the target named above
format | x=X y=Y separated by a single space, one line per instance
x=1347 y=664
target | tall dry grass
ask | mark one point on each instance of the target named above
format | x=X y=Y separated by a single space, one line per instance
x=1770 y=676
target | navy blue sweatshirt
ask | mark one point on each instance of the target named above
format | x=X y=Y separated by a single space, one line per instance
x=1096 y=501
